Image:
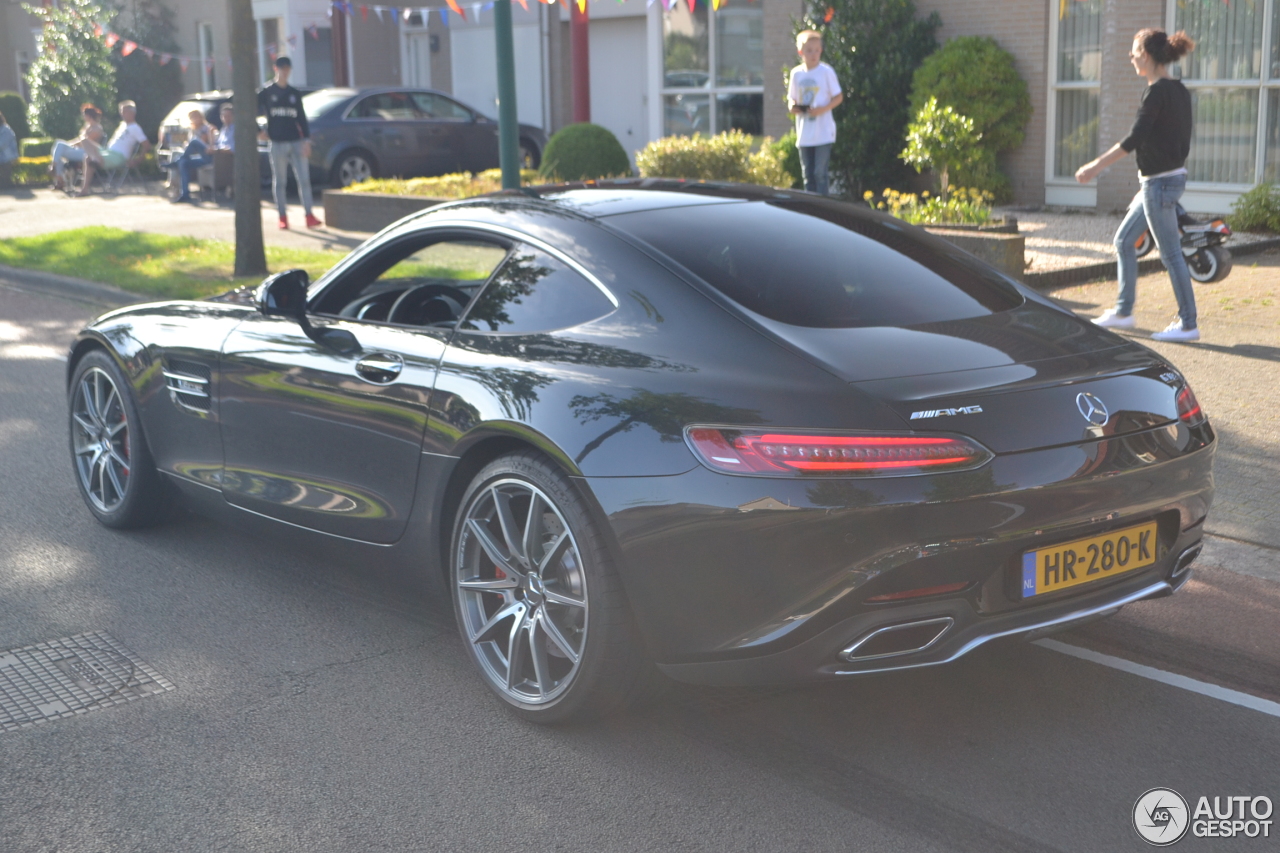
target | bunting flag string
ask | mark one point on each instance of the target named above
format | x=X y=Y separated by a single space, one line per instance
x=397 y=13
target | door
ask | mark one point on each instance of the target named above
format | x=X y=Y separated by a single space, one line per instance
x=330 y=441
x=418 y=53
x=390 y=121
x=459 y=139
x=618 y=88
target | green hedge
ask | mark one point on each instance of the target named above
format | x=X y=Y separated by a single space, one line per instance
x=724 y=157
x=35 y=146
x=31 y=171
x=1257 y=210
x=14 y=110
x=584 y=151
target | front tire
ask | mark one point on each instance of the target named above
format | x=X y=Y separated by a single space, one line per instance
x=1144 y=244
x=529 y=156
x=539 y=605
x=113 y=467
x=1210 y=264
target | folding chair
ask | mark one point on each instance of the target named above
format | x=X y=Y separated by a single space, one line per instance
x=115 y=180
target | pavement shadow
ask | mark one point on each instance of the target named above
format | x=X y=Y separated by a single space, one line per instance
x=1258 y=351
x=23 y=193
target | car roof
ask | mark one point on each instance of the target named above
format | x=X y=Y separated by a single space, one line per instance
x=599 y=199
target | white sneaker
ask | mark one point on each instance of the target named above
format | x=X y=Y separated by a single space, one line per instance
x=1175 y=332
x=1112 y=320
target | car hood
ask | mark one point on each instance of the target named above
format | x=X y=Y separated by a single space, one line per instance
x=1011 y=380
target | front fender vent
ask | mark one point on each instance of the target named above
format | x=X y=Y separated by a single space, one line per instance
x=188 y=384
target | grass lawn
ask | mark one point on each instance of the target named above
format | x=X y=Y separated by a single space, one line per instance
x=152 y=264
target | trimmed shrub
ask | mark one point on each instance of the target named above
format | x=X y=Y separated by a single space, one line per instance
x=35 y=146
x=977 y=77
x=724 y=157
x=31 y=171
x=1257 y=210
x=584 y=151
x=790 y=155
x=456 y=185
x=963 y=207
x=14 y=110
x=941 y=139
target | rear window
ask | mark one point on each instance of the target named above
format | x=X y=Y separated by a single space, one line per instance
x=823 y=264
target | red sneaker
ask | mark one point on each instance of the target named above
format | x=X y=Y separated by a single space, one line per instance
x=313 y=222
x=284 y=223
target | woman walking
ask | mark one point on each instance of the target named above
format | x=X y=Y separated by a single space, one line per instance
x=1161 y=136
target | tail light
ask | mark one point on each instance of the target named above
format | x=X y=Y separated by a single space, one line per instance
x=1221 y=227
x=736 y=450
x=1189 y=411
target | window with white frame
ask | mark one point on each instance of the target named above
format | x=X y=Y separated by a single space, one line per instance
x=1233 y=82
x=1076 y=63
x=208 y=67
x=713 y=68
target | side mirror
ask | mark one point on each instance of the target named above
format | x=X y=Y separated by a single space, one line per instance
x=285 y=295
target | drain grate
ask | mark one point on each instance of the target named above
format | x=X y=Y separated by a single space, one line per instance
x=75 y=675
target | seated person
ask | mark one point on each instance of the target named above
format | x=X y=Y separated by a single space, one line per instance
x=76 y=150
x=226 y=140
x=195 y=155
x=127 y=145
x=8 y=151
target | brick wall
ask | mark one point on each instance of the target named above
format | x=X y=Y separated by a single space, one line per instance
x=779 y=58
x=1022 y=28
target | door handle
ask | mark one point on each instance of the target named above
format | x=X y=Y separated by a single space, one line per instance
x=381 y=368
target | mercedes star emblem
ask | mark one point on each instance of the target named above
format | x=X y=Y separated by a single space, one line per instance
x=1093 y=409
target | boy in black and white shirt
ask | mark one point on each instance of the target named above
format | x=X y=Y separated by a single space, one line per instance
x=289 y=140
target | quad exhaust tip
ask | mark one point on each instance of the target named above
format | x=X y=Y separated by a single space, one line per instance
x=902 y=639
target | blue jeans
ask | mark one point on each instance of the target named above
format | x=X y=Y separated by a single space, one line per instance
x=813 y=164
x=282 y=155
x=1155 y=207
x=193 y=158
x=65 y=151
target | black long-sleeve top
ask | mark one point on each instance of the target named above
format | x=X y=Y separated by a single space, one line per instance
x=286 y=119
x=1161 y=133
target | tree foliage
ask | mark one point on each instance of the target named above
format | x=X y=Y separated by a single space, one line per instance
x=942 y=140
x=874 y=46
x=156 y=88
x=73 y=67
x=976 y=76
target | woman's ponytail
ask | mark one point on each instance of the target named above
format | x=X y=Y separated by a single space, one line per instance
x=1165 y=48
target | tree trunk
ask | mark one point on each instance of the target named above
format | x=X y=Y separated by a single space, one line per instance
x=250 y=257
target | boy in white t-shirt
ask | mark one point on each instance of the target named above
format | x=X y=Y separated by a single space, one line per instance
x=812 y=94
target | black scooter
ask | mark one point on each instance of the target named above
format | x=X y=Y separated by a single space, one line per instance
x=1208 y=260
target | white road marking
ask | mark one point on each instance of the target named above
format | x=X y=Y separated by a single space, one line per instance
x=1235 y=697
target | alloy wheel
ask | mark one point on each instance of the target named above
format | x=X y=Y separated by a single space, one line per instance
x=522 y=592
x=353 y=170
x=101 y=440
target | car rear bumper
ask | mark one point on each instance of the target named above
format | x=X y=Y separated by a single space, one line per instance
x=743 y=580
x=963 y=631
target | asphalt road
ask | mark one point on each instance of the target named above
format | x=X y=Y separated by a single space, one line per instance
x=328 y=706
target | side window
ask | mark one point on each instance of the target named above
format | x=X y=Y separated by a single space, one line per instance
x=534 y=292
x=438 y=107
x=388 y=106
x=416 y=282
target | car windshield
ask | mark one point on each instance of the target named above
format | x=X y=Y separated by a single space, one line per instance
x=320 y=102
x=823 y=264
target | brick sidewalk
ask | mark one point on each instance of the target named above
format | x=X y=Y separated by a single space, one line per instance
x=1235 y=371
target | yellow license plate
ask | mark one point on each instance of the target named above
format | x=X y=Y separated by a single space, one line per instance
x=1085 y=560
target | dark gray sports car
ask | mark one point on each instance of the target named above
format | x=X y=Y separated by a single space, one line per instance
x=743 y=435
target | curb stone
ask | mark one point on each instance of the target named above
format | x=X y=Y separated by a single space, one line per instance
x=69 y=288
x=1054 y=279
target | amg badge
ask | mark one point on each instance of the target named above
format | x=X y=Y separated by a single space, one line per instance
x=942 y=413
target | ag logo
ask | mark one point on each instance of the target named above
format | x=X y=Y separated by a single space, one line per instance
x=1160 y=816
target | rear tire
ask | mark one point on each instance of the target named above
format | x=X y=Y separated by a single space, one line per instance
x=529 y=156
x=1144 y=244
x=352 y=167
x=539 y=604
x=114 y=470
x=1210 y=264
